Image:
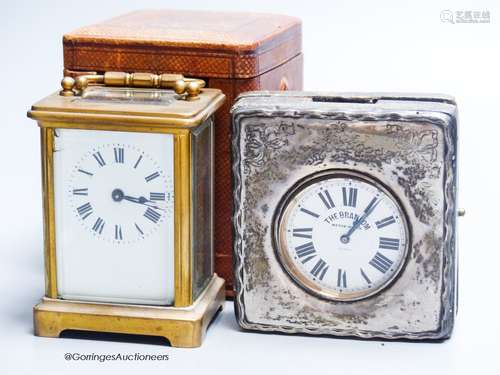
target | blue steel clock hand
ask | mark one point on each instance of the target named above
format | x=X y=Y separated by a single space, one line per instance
x=143 y=201
x=149 y=203
x=118 y=196
x=345 y=238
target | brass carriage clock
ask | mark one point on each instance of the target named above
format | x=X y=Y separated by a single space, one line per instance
x=127 y=165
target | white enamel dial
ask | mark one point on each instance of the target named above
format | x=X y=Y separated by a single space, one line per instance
x=119 y=193
x=343 y=236
x=114 y=219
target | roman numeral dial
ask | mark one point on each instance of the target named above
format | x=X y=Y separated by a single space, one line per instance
x=120 y=194
x=342 y=236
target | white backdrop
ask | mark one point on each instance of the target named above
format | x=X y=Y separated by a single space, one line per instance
x=349 y=46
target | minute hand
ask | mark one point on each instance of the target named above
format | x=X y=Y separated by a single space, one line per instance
x=142 y=200
x=355 y=225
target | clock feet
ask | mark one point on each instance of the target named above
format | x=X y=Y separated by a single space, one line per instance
x=182 y=327
x=44 y=328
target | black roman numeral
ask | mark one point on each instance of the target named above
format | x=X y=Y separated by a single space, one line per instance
x=388 y=243
x=302 y=232
x=381 y=262
x=385 y=222
x=85 y=210
x=100 y=160
x=152 y=176
x=306 y=251
x=152 y=215
x=139 y=229
x=118 y=233
x=156 y=196
x=119 y=155
x=138 y=161
x=364 y=276
x=326 y=199
x=350 y=198
x=85 y=172
x=309 y=212
x=98 y=225
x=82 y=191
x=341 y=279
x=319 y=269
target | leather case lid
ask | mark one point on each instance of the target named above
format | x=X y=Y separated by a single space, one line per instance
x=199 y=43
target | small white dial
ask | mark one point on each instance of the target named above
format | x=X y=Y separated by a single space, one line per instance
x=342 y=235
x=119 y=193
x=114 y=216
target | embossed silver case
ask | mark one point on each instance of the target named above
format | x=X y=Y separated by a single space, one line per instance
x=408 y=142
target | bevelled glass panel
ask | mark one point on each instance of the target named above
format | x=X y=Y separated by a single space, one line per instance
x=202 y=260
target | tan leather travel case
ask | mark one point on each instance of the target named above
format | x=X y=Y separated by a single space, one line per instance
x=234 y=52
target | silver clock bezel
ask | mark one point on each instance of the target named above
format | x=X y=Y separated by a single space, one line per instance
x=279 y=236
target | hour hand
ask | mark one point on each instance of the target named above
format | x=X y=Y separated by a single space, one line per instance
x=131 y=199
x=118 y=196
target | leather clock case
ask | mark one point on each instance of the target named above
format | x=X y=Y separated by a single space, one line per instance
x=234 y=52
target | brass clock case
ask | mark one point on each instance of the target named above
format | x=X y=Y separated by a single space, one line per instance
x=139 y=103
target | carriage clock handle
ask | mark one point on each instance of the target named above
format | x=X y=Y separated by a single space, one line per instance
x=186 y=88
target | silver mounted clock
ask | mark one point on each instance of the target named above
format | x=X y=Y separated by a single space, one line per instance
x=345 y=211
